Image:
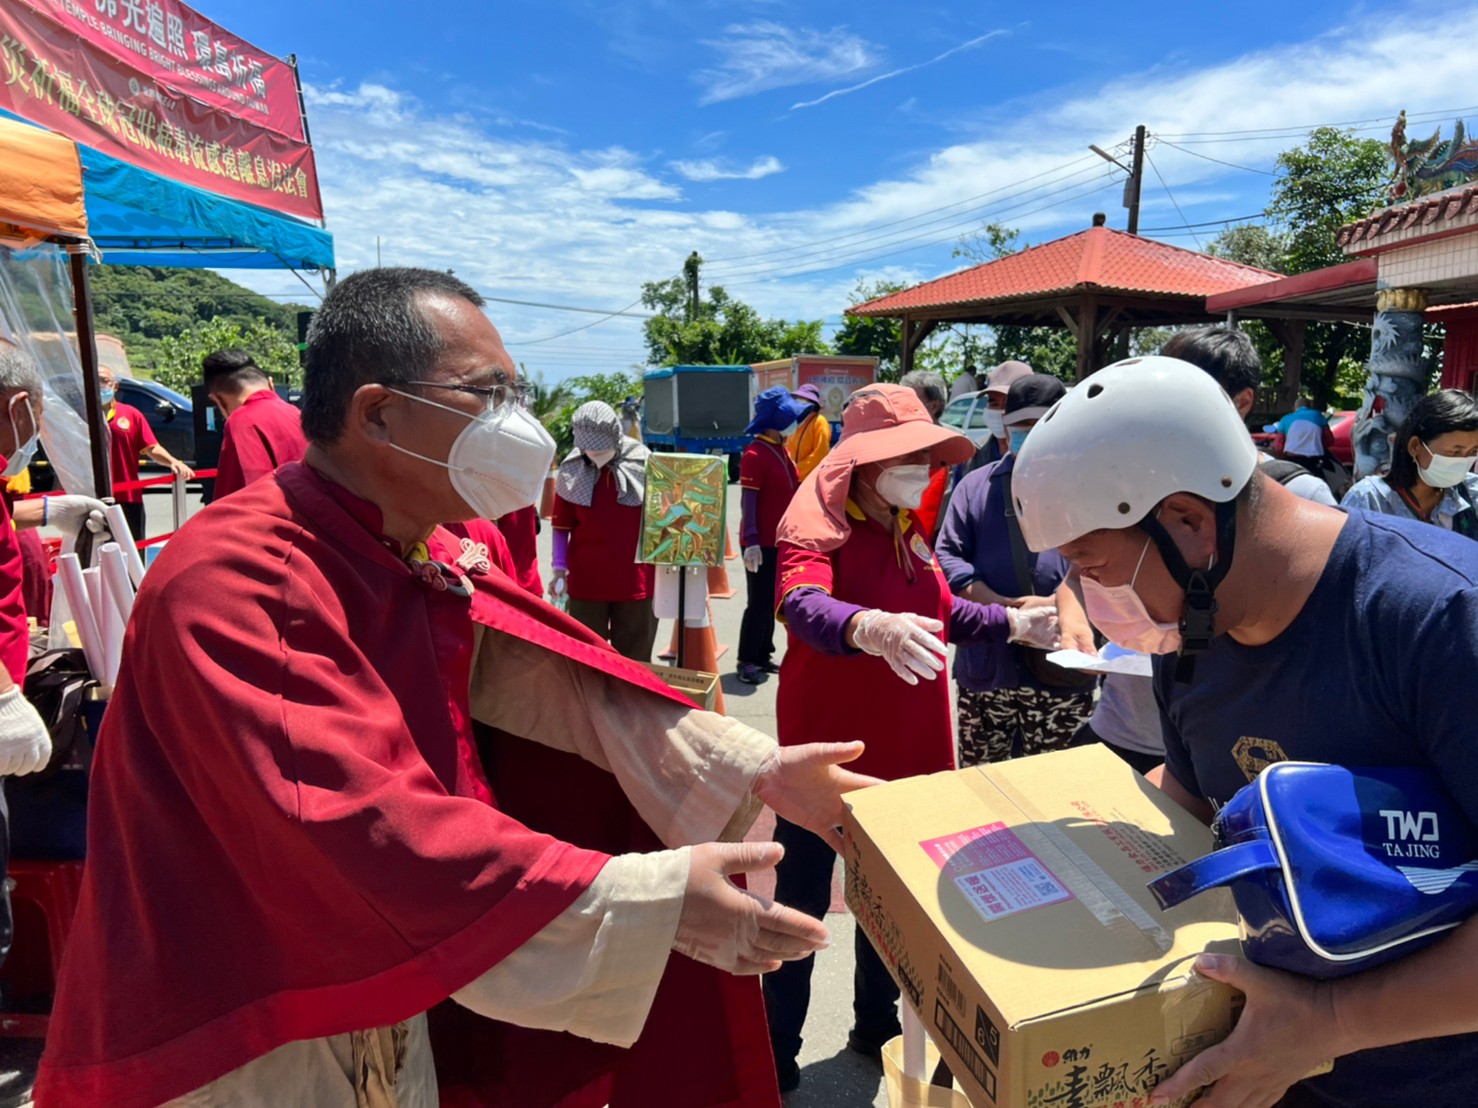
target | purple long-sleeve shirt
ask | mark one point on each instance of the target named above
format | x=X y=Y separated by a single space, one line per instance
x=974 y=544
x=820 y=621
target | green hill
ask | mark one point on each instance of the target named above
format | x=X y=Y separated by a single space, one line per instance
x=141 y=306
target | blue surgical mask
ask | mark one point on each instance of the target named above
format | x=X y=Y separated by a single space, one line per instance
x=1018 y=436
x=107 y=396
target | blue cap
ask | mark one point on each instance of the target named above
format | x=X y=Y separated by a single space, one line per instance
x=774 y=410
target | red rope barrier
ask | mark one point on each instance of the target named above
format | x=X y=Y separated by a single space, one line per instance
x=130 y=486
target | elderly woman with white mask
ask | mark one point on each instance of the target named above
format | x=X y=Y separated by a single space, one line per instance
x=597 y=525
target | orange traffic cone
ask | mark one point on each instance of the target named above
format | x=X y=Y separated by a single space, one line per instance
x=717 y=649
x=546 y=500
x=729 y=552
x=719 y=587
x=700 y=652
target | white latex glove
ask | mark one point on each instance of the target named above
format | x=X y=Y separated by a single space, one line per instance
x=753 y=557
x=72 y=513
x=907 y=642
x=25 y=744
x=727 y=927
x=559 y=583
x=1034 y=627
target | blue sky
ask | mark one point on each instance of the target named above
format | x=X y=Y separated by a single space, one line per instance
x=564 y=152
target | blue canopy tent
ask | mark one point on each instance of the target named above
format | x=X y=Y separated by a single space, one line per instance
x=140 y=218
x=135 y=217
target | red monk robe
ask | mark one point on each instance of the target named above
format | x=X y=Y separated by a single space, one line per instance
x=326 y=867
x=263 y=433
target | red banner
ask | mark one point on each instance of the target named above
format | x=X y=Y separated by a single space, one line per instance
x=53 y=77
x=176 y=46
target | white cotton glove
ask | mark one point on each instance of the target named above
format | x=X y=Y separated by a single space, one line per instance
x=1034 y=627
x=753 y=557
x=25 y=744
x=72 y=513
x=558 y=583
x=731 y=929
x=907 y=642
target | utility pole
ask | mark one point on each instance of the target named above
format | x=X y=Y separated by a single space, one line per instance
x=690 y=271
x=1135 y=169
x=1136 y=178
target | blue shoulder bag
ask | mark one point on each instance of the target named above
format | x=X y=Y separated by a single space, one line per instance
x=1336 y=870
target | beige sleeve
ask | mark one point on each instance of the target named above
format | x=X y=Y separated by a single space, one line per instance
x=594 y=969
x=688 y=773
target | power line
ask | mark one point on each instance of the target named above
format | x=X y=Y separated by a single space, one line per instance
x=1195 y=237
x=810 y=251
x=1094 y=187
x=1275 y=132
x=897 y=245
x=583 y=327
x=1218 y=161
x=1206 y=223
x=872 y=228
x=605 y=312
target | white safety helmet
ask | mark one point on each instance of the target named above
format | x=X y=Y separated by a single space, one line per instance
x=1122 y=441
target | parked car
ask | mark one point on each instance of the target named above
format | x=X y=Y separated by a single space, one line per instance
x=170 y=415
x=966 y=414
x=1341 y=424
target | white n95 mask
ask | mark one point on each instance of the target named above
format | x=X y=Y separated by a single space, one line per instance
x=21 y=456
x=498 y=462
x=904 y=486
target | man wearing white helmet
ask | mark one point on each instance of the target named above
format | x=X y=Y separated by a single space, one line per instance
x=1287 y=630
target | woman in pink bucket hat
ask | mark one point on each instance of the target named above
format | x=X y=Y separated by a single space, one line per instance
x=869 y=614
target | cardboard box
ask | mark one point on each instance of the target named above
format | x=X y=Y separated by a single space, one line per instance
x=699 y=687
x=1009 y=902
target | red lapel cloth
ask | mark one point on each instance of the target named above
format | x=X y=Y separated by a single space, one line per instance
x=287 y=832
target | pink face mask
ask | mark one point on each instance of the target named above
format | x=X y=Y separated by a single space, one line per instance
x=1121 y=615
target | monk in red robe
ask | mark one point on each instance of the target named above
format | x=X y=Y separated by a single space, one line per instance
x=295 y=847
x=263 y=431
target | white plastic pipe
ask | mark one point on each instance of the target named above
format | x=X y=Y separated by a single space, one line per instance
x=69 y=574
x=115 y=575
x=92 y=577
x=125 y=539
x=111 y=629
x=915 y=1056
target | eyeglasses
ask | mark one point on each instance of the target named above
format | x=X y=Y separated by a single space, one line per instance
x=494 y=396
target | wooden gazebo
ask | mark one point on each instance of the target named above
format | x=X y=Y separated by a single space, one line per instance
x=1096 y=283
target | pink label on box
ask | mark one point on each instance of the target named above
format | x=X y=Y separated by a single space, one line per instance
x=995 y=871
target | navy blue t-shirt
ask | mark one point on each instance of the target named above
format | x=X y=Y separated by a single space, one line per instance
x=1378 y=669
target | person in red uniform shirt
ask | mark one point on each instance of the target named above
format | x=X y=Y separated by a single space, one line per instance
x=933 y=392
x=768 y=479
x=131 y=439
x=597 y=527
x=521 y=532
x=263 y=431
x=869 y=614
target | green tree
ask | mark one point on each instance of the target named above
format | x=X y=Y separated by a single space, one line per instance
x=1334 y=178
x=177 y=357
x=613 y=388
x=1252 y=244
x=142 y=306
x=724 y=331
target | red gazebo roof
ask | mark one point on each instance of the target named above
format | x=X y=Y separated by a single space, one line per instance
x=1099 y=259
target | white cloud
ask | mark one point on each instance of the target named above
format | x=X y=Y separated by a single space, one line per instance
x=539 y=218
x=979 y=40
x=758 y=57
x=711 y=169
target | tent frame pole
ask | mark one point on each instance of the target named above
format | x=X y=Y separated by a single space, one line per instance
x=97 y=426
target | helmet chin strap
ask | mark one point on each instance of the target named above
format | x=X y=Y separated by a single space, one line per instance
x=1198 y=617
